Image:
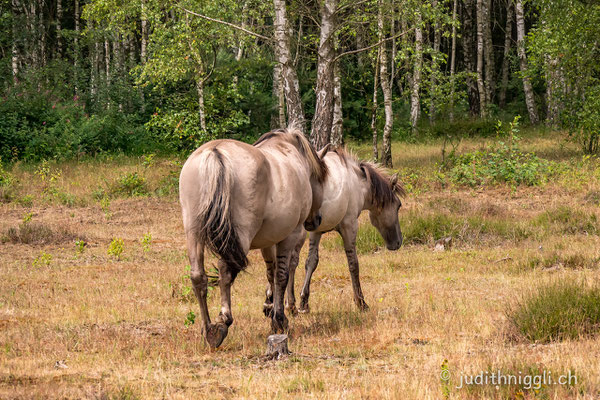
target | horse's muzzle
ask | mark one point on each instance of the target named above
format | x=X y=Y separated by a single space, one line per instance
x=312 y=224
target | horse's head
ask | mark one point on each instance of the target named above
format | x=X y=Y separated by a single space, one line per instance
x=317 y=180
x=385 y=204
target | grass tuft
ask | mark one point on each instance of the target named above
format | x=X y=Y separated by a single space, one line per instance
x=559 y=311
x=38 y=233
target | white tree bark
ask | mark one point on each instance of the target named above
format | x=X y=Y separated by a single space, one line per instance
x=278 y=118
x=338 y=118
x=374 y=107
x=453 y=60
x=506 y=60
x=15 y=43
x=144 y=43
x=59 y=15
x=201 y=109
x=291 y=87
x=488 y=53
x=527 y=88
x=323 y=119
x=415 y=102
x=386 y=153
x=480 y=46
x=76 y=47
x=434 y=67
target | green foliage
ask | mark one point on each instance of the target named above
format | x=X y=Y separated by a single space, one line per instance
x=566 y=219
x=128 y=185
x=559 y=311
x=116 y=248
x=502 y=162
x=190 y=319
x=80 y=246
x=146 y=241
x=7 y=184
x=43 y=259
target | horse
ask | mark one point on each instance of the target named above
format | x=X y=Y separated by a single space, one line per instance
x=351 y=187
x=235 y=197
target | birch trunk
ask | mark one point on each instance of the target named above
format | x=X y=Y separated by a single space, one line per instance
x=323 y=120
x=453 y=60
x=144 y=21
x=480 y=83
x=15 y=43
x=76 y=47
x=374 y=107
x=529 y=99
x=278 y=118
x=468 y=41
x=553 y=89
x=338 y=118
x=291 y=87
x=201 y=109
x=415 y=102
x=386 y=153
x=506 y=59
x=59 y=15
x=434 y=67
x=488 y=53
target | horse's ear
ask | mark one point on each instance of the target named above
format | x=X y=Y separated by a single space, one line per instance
x=394 y=179
x=321 y=153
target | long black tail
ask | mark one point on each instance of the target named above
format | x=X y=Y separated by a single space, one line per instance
x=214 y=225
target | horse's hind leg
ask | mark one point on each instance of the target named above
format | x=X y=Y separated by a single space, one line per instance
x=311 y=264
x=294 y=259
x=269 y=257
x=213 y=333
x=279 y=323
x=348 y=232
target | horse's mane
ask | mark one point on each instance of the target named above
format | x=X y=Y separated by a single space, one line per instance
x=382 y=190
x=295 y=137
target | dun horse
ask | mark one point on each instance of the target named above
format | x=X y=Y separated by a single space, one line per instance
x=351 y=187
x=236 y=197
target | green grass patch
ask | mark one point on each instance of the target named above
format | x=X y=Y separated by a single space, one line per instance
x=565 y=219
x=559 y=311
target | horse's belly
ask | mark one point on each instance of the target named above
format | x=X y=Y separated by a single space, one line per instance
x=274 y=230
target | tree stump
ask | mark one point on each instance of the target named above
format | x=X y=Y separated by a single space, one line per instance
x=443 y=244
x=277 y=346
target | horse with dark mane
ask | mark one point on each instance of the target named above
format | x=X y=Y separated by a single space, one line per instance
x=236 y=197
x=352 y=186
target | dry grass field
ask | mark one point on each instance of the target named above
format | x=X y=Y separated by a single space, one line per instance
x=78 y=322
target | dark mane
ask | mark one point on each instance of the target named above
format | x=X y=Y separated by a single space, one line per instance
x=382 y=191
x=296 y=138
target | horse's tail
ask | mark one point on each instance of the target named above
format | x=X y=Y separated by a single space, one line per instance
x=214 y=225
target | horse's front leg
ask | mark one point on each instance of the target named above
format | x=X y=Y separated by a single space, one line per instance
x=348 y=232
x=269 y=257
x=279 y=323
x=311 y=264
x=294 y=259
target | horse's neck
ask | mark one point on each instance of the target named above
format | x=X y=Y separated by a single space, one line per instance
x=365 y=191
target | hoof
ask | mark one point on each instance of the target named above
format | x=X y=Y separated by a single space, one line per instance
x=215 y=334
x=362 y=306
x=304 y=308
x=292 y=310
x=268 y=310
x=279 y=324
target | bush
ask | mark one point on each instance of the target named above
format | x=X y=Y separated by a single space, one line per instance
x=37 y=233
x=569 y=220
x=560 y=311
x=130 y=185
x=501 y=163
x=7 y=184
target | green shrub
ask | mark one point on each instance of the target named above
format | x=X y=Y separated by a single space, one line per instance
x=503 y=162
x=565 y=219
x=7 y=184
x=129 y=185
x=559 y=311
x=116 y=248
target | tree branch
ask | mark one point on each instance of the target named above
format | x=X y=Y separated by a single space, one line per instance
x=371 y=46
x=258 y=35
